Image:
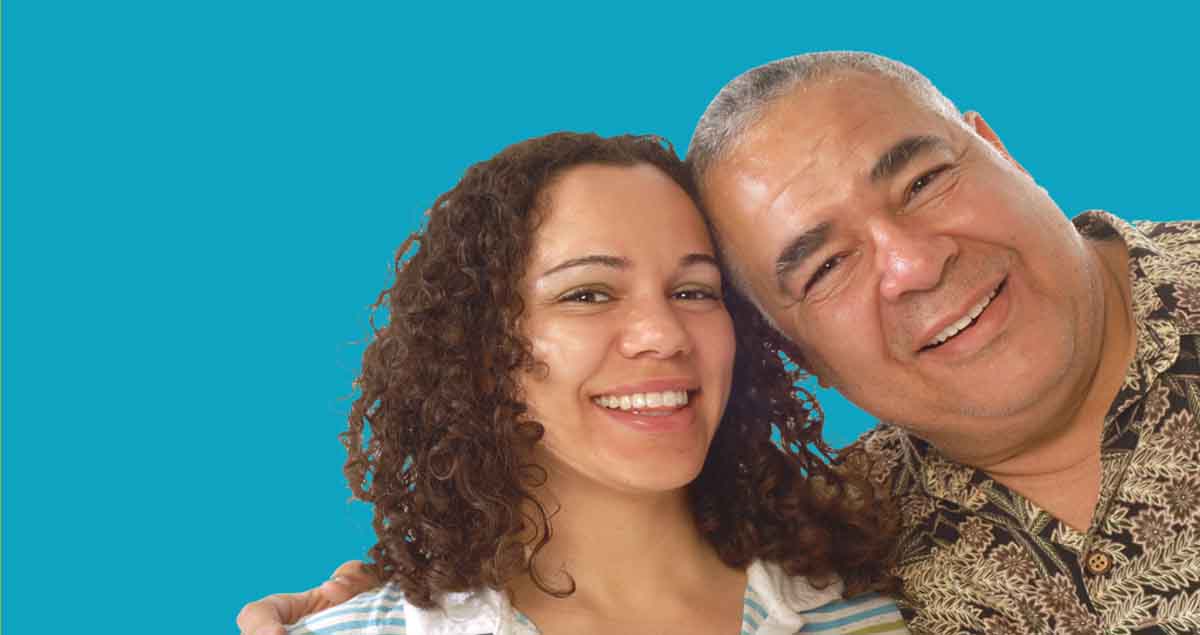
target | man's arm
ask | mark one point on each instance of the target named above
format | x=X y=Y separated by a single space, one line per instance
x=271 y=614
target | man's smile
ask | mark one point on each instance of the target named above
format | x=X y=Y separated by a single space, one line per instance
x=956 y=326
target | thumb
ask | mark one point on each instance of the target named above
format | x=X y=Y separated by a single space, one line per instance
x=347 y=581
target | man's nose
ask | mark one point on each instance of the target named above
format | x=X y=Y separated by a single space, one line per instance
x=910 y=259
x=655 y=329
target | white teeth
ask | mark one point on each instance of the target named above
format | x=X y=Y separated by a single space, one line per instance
x=640 y=400
x=964 y=321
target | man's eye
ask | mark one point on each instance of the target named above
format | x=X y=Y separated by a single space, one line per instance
x=924 y=181
x=586 y=296
x=823 y=270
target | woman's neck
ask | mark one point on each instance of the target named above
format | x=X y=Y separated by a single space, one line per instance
x=628 y=555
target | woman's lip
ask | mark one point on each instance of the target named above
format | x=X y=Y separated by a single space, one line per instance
x=651 y=385
x=676 y=419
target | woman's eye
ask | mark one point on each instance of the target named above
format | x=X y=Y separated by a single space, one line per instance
x=586 y=296
x=695 y=294
x=823 y=270
x=924 y=181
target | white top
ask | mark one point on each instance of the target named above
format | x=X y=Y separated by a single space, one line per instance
x=774 y=604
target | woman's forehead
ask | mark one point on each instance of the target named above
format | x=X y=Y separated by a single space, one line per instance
x=634 y=208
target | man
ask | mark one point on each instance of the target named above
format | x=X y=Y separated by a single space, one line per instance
x=1038 y=379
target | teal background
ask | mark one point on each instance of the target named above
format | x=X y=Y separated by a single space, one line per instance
x=202 y=198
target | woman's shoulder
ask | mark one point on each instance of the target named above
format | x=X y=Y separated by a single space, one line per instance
x=379 y=611
x=872 y=613
x=384 y=611
x=773 y=595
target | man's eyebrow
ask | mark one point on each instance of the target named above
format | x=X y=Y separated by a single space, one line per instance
x=898 y=156
x=797 y=251
x=698 y=258
x=604 y=261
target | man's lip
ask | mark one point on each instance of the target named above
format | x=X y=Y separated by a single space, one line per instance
x=927 y=338
x=651 y=385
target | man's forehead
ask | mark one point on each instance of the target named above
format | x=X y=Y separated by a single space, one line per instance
x=841 y=126
x=841 y=115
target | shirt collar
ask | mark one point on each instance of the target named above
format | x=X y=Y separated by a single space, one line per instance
x=1154 y=274
x=470 y=613
x=775 y=601
x=773 y=604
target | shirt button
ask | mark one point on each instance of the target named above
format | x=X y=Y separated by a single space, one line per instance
x=1098 y=563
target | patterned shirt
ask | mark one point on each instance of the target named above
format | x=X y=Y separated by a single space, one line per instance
x=977 y=557
x=773 y=604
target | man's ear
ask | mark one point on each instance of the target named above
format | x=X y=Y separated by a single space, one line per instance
x=976 y=123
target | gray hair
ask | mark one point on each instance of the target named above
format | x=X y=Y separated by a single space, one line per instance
x=742 y=101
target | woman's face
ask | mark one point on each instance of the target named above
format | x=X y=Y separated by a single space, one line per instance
x=623 y=308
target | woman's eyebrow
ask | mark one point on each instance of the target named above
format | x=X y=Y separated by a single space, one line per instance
x=605 y=261
x=616 y=262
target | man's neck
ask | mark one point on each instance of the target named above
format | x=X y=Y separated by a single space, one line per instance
x=1061 y=472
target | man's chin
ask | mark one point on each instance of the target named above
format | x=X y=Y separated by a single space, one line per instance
x=964 y=420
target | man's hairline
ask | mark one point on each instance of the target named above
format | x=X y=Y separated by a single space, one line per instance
x=753 y=119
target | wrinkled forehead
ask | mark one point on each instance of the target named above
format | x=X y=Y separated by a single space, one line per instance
x=824 y=134
x=847 y=114
x=815 y=144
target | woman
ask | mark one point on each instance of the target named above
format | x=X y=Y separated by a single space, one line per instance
x=559 y=435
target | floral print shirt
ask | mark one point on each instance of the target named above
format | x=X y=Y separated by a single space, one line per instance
x=976 y=557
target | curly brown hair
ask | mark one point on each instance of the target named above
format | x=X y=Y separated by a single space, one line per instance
x=439 y=435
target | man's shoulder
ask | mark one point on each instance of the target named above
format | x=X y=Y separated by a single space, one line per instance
x=881 y=437
x=1175 y=240
x=376 y=612
x=1169 y=231
x=881 y=452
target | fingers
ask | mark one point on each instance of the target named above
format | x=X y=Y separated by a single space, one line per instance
x=259 y=618
x=271 y=614
x=347 y=581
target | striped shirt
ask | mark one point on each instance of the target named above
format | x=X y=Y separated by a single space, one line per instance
x=774 y=604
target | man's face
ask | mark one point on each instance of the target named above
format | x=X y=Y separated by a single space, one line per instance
x=919 y=269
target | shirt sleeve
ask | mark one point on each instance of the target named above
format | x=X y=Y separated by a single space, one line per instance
x=376 y=612
x=868 y=614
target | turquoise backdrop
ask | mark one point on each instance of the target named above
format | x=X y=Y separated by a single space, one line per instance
x=202 y=198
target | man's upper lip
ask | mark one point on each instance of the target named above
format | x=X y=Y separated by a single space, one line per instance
x=650 y=385
x=950 y=317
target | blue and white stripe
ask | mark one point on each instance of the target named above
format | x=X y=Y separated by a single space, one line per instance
x=766 y=610
x=871 y=613
x=379 y=612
